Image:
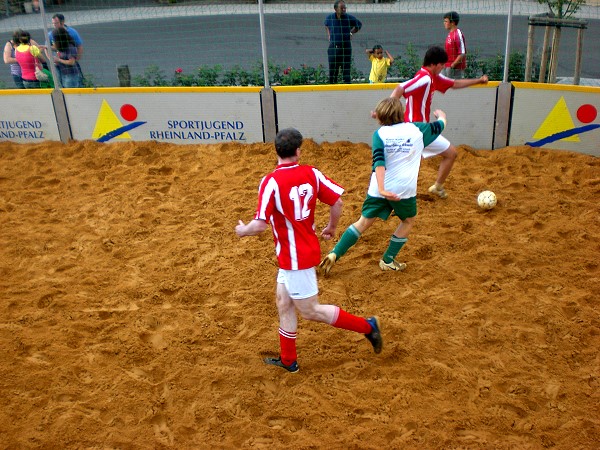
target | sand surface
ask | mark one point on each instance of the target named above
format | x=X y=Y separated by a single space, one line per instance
x=132 y=317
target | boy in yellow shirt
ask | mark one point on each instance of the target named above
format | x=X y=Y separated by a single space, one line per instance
x=379 y=64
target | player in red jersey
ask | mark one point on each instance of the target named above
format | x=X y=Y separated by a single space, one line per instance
x=287 y=199
x=418 y=92
x=455 y=47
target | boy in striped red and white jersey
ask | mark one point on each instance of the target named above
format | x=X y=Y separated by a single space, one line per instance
x=287 y=200
x=418 y=92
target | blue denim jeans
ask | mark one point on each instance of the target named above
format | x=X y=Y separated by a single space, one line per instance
x=18 y=81
x=70 y=80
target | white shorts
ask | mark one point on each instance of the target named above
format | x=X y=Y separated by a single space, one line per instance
x=440 y=145
x=300 y=284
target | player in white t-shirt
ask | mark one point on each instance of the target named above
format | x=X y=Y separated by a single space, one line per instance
x=397 y=151
x=287 y=200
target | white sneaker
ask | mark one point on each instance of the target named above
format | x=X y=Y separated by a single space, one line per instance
x=394 y=265
x=441 y=193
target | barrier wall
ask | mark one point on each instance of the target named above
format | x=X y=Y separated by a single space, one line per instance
x=471 y=114
x=27 y=116
x=556 y=116
x=330 y=113
x=342 y=113
x=176 y=115
x=541 y=115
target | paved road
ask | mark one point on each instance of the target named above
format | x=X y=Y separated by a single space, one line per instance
x=294 y=39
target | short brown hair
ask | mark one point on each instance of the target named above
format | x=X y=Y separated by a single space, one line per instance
x=287 y=142
x=390 y=111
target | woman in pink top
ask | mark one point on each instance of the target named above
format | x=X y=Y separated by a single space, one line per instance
x=27 y=55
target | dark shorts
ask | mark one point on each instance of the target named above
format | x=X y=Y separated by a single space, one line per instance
x=382 y=208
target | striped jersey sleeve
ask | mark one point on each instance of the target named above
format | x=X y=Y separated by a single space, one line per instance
x=378 y=153
x=430 y=131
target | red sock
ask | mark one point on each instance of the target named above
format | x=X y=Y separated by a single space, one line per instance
x=351 y=322
x=287 y=342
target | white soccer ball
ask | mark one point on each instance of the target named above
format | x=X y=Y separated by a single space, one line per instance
x=486 y=200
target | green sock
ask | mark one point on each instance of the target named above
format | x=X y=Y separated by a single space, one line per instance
x=393 y=249
x=348 y=239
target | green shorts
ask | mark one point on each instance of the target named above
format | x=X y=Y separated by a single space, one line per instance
x=382 y=208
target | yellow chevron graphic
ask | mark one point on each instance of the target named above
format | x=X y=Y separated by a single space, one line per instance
x=559 y=119
x=106 y=122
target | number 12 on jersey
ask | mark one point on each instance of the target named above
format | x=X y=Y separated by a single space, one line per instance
x=301 y=196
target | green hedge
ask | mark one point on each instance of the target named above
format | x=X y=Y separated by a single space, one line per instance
x=403 y=68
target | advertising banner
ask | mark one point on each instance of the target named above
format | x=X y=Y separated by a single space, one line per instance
x=556 y=116
x=27 y=116
x=175 y=115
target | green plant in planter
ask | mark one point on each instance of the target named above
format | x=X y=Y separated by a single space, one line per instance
x=88 y=81
x=405 y=67
x=356 y=74
x=208 y=76
x=493 y=67
x=152 y=76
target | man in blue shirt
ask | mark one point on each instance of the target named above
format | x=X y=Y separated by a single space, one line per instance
x=340 y=28
x=58 y=21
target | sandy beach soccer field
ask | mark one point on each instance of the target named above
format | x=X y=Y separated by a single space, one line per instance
x=132 y=317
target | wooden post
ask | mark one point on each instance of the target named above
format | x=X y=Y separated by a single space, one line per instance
x=502 y=122
x=577 y=75
x=549 y=63
x=267 y=102
x=529 y=58
x=544 y=62
x=554 y=55
x=124 y=76
x=62 y=118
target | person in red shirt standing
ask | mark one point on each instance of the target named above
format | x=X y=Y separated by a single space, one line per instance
x=455 y=47
x=287 y=199
x=418 y=92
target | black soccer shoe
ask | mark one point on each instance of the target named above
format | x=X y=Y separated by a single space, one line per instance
x=292 y=368
x=374 y=336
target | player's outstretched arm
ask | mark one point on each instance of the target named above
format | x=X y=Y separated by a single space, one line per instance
x=398 y=91
x=252 y=228
x=335 y=212
x=459 y=84
x=440 y=115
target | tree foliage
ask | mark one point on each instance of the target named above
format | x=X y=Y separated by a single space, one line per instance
x=563 y=9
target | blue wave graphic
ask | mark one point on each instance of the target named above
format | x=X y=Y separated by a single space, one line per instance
x=114 y=133
x=562 y=135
